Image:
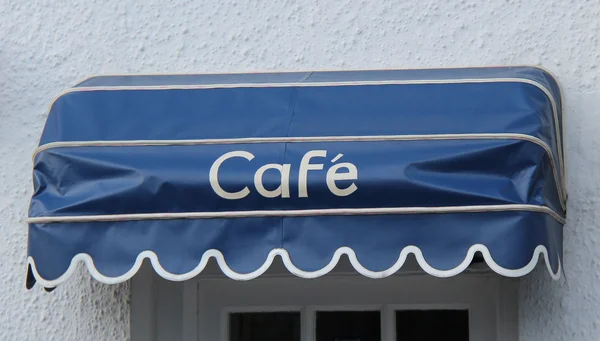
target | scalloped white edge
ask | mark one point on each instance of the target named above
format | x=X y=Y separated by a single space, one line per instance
x=89 y=262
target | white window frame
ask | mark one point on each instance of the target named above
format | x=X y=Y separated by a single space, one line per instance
x=162 y=310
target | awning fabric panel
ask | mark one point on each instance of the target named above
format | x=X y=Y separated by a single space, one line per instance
x=310 y=246
x=372 y=164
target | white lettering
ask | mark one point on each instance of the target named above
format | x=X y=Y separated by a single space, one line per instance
x=284 y=187
x=338 y=172
x=214 y=176
x=333 y=176
x=305 y=166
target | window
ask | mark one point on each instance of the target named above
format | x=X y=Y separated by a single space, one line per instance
x=269 y=326
x=348 y=326
x=431 y=325
x=336 y=307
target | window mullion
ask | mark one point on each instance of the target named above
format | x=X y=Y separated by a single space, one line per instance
x=307 y=318
x=388 y=328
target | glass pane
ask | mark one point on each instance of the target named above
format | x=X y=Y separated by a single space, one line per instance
x=272 y=326
x=432 y=325
x=348 y=326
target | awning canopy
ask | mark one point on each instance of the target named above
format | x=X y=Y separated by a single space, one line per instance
x=307 y=166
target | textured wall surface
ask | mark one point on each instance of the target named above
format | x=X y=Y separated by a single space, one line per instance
x=46 y=46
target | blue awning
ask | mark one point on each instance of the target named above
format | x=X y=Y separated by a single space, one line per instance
x=307 y=166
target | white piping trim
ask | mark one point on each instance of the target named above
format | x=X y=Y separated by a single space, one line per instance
x=89 y=262
x=296 y=213
x=356 y=83
x=339 y=70
x=299 y=84
x=293 y=139
x=372 y=138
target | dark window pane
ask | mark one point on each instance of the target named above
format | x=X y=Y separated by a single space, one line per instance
x=348 y=326
x=432 y=325
x=275 y=326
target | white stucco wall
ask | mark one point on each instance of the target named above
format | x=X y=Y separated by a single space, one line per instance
x=45 y=46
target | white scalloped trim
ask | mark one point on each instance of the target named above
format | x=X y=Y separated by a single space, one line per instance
x=85 y=258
